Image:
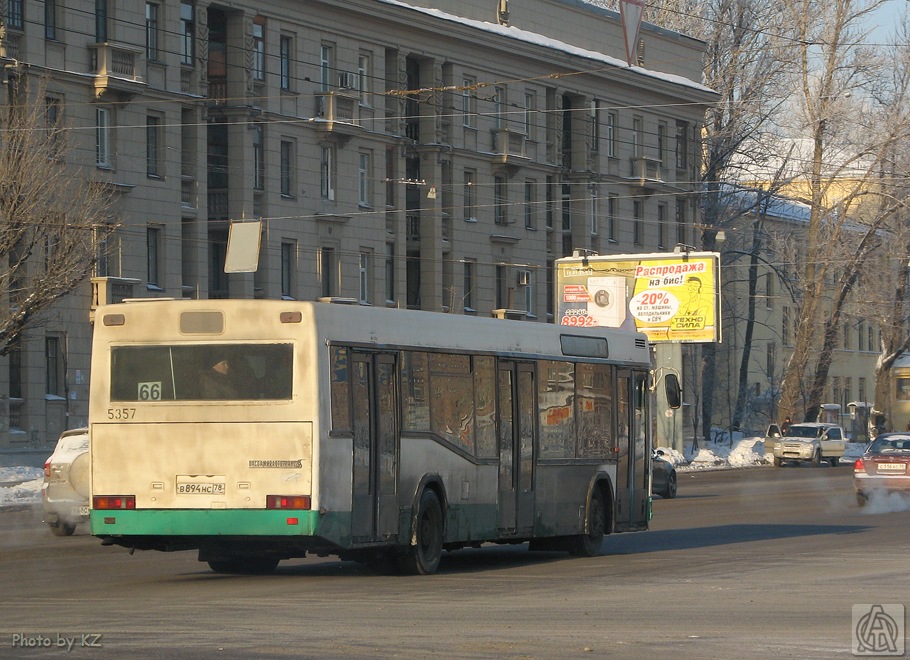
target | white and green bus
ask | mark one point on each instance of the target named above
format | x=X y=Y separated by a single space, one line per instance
x=255 y=431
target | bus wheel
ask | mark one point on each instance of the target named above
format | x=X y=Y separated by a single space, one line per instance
x=62 y=529
x=422 y=558
x=244 y=565
x=588 y=545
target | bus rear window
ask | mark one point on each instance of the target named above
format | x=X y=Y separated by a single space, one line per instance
x=209 y=372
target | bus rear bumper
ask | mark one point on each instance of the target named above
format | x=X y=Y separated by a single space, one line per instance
x=203 y=522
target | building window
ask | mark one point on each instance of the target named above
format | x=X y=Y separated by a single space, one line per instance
x=390 y=272
x=100 y=20
x=785 y=336
x=682 y=145
x=364 y=277
x=15 y=18
x=53 y=123
x=662 y=225
x=153 y=247
x=102 y=137
x=187 y=32
x=151 y=31
x=530 y=114
x=468 y=299
x=595 y=214
x=285 y=52
x=499 y=106
x=258 y=157
x=326 y=66
x=469 y=103
x=326 y=173
x=502 y=286
x=611 y=134
x=499 y=200
x=662 y=142
x=771 y=359
x=769 y=291
x=469 y=202
x=638 y=220
x=681 y=221
x=530 y=204
x=363 y=179
x=861 y=390
x=870 y=343
x=259 y=48
x=612 y=208
x=548 y=211
x=528 y=279
x=50 y=19
x=288 y=268
x=55 y=365
x=328 y=273
x=287 y=168
x=363 y=78
x=153 y=135
x=637 y=137
x=595 y=125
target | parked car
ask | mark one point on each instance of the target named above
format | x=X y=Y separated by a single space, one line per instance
x=810 y=442
x=663 y=476
x=65 y=490
x=884 y=467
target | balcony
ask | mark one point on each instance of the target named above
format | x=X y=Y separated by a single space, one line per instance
x=509 y=147
x=338 y=113
x=646 y=170
x=116 y=71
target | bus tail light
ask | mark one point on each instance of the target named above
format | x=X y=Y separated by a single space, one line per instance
x=287 y=502
x=112 y=502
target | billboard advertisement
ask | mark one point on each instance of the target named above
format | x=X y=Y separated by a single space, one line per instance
x=671 y=297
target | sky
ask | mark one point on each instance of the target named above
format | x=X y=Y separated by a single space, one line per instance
x=21 y=486
x=886 y=17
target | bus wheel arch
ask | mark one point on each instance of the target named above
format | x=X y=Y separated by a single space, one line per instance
x=426 y=535
x=598 y=519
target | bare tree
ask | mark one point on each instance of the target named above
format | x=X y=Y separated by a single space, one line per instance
x=51 y=212
x=746 y=42
x=849 y=133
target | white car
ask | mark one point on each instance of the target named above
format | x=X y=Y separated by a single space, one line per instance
x=810 y=442
x=64 y=493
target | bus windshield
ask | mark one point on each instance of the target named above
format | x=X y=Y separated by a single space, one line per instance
x=201 y=372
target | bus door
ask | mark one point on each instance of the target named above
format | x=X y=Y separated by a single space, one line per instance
x=374 y=392
x=640 y=450
x=516 y=429
x=633 y=467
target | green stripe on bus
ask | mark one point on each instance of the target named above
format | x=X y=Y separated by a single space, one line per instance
x=204 y=522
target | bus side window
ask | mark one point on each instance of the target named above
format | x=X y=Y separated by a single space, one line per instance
x=340 y=389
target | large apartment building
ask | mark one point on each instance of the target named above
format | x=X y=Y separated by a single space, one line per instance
x=431 y=154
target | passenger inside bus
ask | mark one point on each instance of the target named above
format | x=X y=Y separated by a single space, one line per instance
x=218 y=381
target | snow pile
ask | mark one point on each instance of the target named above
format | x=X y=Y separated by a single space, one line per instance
x=20 y=486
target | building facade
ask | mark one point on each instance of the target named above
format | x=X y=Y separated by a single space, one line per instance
x=783 y=223
x=433 y=155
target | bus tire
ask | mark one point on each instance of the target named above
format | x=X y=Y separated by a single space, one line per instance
x=62 y=529
x=244 y=565
x=589 y=543
x=422 y=558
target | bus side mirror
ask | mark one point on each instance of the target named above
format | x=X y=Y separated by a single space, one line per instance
x=673 y=390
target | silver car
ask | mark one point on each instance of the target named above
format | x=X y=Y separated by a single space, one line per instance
x=64 y=493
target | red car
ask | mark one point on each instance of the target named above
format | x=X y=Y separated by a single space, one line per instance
x=884 y=467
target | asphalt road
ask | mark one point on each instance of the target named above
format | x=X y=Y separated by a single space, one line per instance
x=760 y=563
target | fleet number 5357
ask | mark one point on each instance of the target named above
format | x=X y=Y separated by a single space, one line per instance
x=121 y=413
